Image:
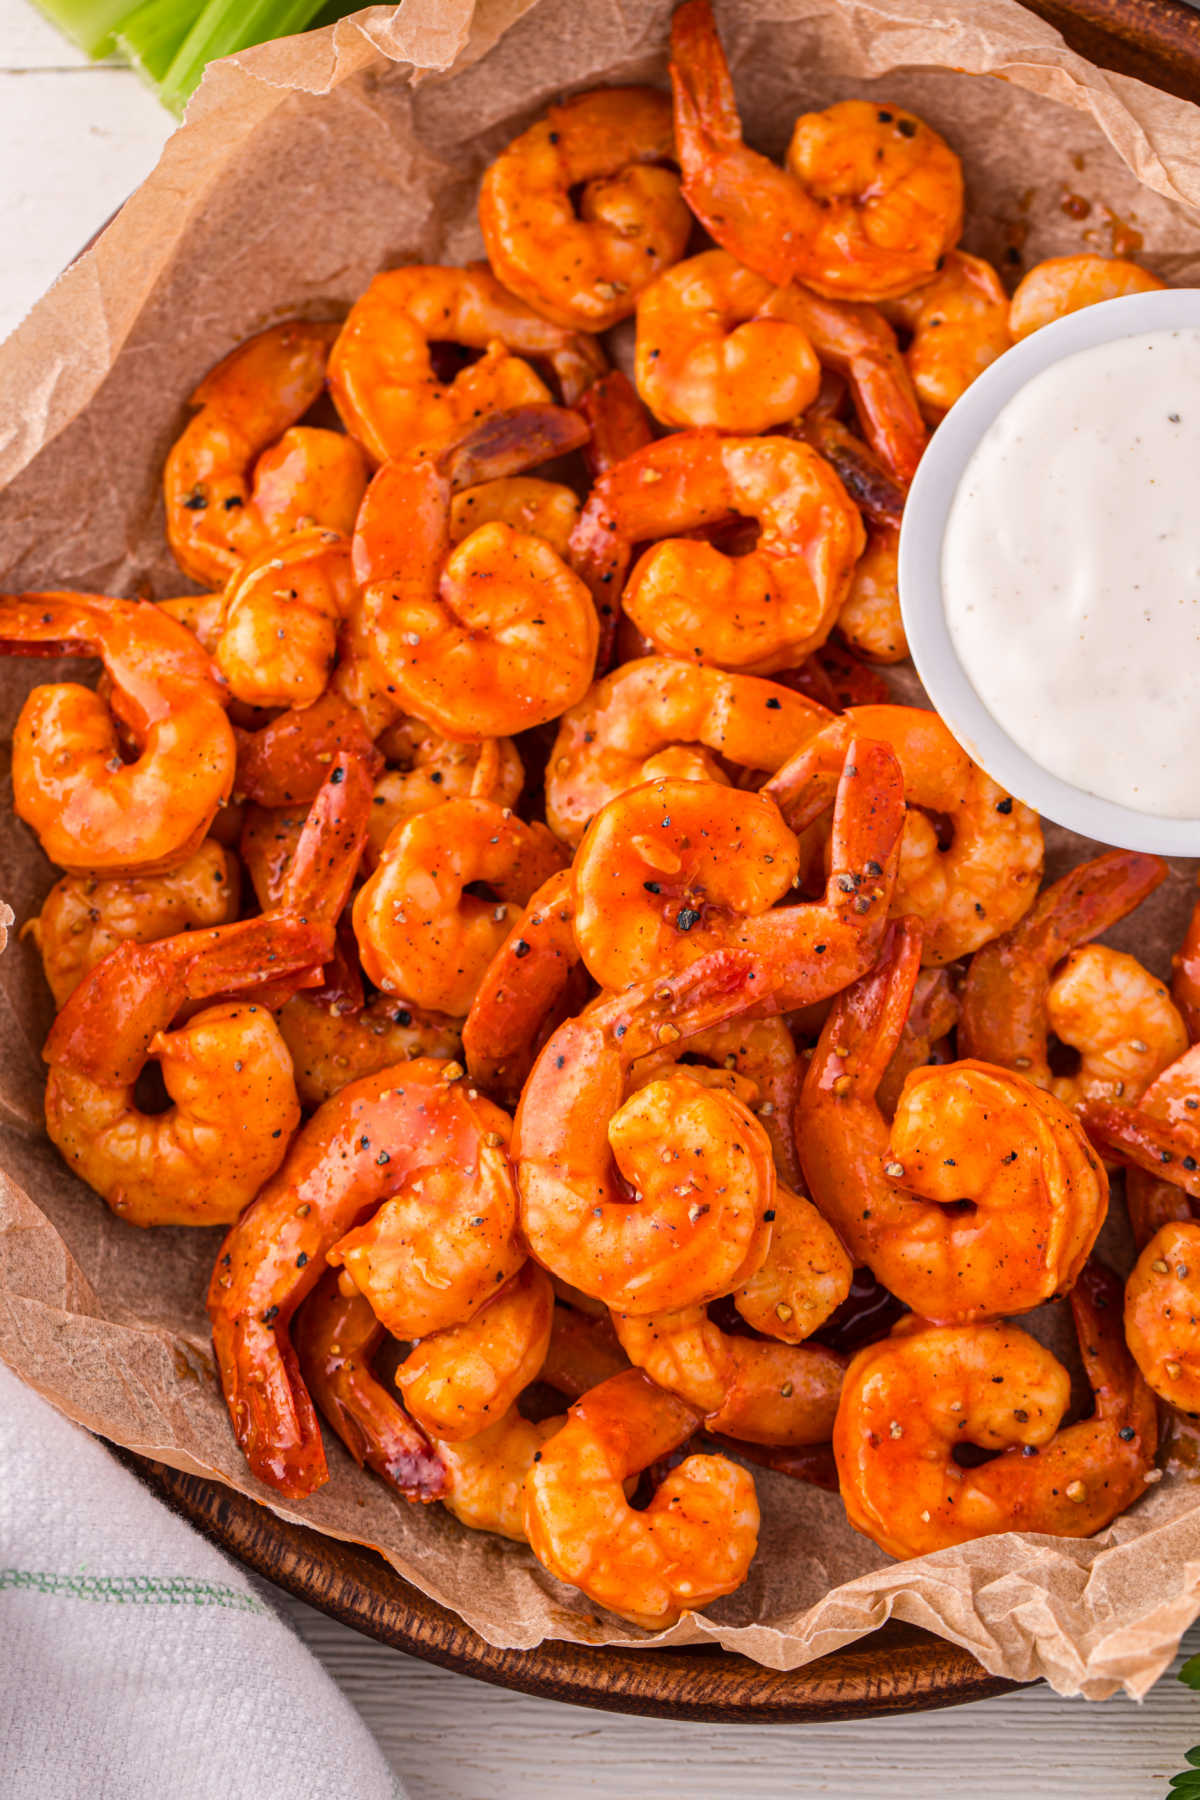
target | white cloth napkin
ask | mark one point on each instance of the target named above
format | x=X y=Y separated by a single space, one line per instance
x=136 y=1661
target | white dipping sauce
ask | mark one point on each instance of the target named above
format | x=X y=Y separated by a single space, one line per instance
x=1071 y=570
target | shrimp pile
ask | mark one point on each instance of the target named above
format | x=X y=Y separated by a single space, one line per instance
x=573 y=982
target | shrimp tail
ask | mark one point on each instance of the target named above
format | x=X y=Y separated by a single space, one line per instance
x=807 y=784
x=143 y=986
x=1155 y=1145
x=273 y=1416
x=336 y=1339
x=617 y=419
x=288 y=762
x=751 y=207
x=507 y=443
x=868 y=817
x=717 y=987
x=1008 y=978
x=1122 y=1398
x=863 y=1030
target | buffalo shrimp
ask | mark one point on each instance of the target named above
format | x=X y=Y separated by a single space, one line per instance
x=83 y=917
x=674 y=869
x=92 y=810
x=421 y=934
x=423 y=1157
x=585 y=267
x=986 y=877
x=657 y=703
x=381 y=369
x=870 y=201
x=216 y=515
x=983 y=1198
x=911 y=1399
x=693 y=1542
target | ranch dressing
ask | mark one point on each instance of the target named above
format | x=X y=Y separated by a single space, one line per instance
x=1071 y=570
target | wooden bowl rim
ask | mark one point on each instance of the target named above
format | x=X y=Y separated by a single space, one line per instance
x=898 y=1668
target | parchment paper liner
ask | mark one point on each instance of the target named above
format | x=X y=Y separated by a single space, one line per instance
x=304 y=167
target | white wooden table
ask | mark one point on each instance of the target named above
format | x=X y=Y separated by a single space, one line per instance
x=74 y=140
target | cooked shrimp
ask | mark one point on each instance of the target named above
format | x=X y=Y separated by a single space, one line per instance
x=1162 y=1314
x=485 y=1475
x=93 y=811
x=716 y=346
x=281 y=615
x=619 y=422
x=584 y=1350
x=876 y=492
x=267 y=845
x=1185 y=977
x=1064 y=284
x=871 y=199
x=544 y=509
x=869 y=617
x=203 y=614
x=674 y=869
x=693 y=1542
x=805 y=1278
x=1161 y=1134
x=83 y=917
x=620 y=425
x=464 y=1378
x=1004 y=996
x=190 y=1164
x=479 y=1480
x=309 y=478
x=337 y=1338
x=421 y=935
x=752 y=1388
x=227 y=1073
x=433 y=769
x=522 y=990
x=858 y=344
x=358 y=680
x=960 y=325
x=285 y=764
x=963 y=1131
x=1120 y=1019
x=987 y=877
x=656 y=703
x=932 y=1015
x=910 y=1401
x=246 y=403
x=481 y=640
x=413 y=1138
x=381 y=370
x=754 y=613
x=442 y=1242
x=330 y=1048
x=758 y=1061
x=1153 y=1203
x=584 y=266
x=697 y=1160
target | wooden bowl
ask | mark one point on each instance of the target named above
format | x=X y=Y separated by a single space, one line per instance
x=898 y=1668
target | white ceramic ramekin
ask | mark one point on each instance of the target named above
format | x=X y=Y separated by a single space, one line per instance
x=921 y=535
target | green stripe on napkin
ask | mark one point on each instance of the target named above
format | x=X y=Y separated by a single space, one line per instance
x=132 y=1590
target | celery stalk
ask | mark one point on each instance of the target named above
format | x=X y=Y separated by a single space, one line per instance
x=149 y=36
x=88 y=23
x=224 y=27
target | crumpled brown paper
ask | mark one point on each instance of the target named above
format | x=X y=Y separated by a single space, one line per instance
x=303 y=168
